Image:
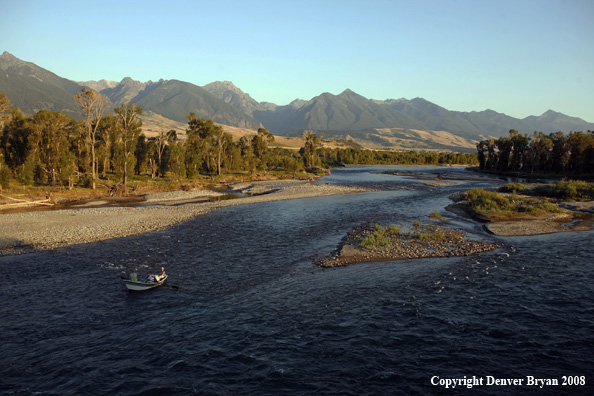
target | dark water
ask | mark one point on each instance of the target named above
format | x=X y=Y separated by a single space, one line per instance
x=251 y=316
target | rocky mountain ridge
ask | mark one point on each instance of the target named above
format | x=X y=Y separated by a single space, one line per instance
x=390 y=123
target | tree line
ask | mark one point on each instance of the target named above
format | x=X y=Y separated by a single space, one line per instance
x=334 y=157
x=52 y=148
x=539 y=153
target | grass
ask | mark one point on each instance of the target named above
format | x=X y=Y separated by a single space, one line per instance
x=493 y=204
x=572 y=190
x=437 y=216
x=388 y=235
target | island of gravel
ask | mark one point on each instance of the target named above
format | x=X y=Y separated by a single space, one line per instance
x=373 y=242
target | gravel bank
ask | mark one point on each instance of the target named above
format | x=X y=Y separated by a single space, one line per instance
x=27 y=232
x=402 y=246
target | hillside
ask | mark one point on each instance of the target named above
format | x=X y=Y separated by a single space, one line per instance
x=386 y=124
x=31 y=88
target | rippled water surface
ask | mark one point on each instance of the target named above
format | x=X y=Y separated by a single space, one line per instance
x=244 y=311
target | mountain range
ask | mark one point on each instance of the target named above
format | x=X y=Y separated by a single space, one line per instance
x=388 y=124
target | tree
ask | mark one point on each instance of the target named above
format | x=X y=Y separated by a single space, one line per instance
x=129 y=128
x=5 y=112
x=107 y=132
x=5 y=117
x=204 y=145
x=161 y=143
x=93 y=105
x=247 y=153
x=260 y=143
x=49 y=146
x=310 y=149
x=142 y=154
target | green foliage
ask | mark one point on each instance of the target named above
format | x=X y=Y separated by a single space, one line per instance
x=490 y=203
x=380 y=237
x=357 y=156
x=52 y=148
x=386 y=236
x=539 y=153
x=4 y=175
x=513 y=188
x=567 y=190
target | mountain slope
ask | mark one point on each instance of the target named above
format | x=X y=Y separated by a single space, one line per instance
x=392 y=123
x=552 y=121
x=176 y=99
x=230 y=94
x=32 y=88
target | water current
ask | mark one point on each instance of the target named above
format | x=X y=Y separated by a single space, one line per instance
x=244 y=311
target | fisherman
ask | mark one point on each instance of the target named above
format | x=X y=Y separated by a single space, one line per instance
x=134 y=276
x=149 y=277
x=161 y=275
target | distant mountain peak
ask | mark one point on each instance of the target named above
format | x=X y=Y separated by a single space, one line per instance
x=222 y=85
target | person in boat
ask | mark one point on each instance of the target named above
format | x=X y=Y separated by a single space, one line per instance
x=161 y=275
x=149 y=277
x=134 y=276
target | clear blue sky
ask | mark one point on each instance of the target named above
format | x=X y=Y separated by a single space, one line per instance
x=519 y=57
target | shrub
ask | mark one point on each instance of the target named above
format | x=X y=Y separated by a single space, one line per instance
x=568 y=190
x=437 y=216
x=380 y=237
x=373 y=241
x=513 y=188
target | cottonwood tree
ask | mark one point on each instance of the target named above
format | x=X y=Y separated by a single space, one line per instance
x=204 y=145
x=160 y=144
x=93 y=106
x=49 y=143
x=310 y=149
x=106 y=135
x=129 y=128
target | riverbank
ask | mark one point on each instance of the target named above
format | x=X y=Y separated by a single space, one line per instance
x=31 y=231
x=570 y=216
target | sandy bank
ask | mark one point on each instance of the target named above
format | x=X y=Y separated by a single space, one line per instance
x=27 y=232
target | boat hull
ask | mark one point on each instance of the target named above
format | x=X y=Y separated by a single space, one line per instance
x=140 y=286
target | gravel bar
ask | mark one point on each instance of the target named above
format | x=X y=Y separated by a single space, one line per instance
x=32 y=231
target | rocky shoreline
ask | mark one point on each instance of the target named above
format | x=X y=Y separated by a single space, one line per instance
x=41 y=230
x=404 y=246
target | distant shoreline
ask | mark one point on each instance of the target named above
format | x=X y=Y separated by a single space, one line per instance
x=44 y=230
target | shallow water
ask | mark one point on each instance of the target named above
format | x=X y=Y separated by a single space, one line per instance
x=250 y=315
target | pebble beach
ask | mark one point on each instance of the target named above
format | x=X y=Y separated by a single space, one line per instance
x=41 y=230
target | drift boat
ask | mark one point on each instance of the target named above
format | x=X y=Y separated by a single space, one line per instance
x=139 y=286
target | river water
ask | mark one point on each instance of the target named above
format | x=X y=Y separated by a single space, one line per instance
x=244 y=312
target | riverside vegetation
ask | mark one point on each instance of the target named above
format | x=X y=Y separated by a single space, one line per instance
x=515 y=200
x=107 y=151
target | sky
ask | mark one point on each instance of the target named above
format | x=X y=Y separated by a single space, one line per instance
x=518 y=57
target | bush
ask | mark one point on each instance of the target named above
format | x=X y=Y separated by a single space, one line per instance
x=380 y=237
x=567 y=190
x=437 y=216
x=513 y=188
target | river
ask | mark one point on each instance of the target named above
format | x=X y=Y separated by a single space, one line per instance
x=244 y=311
